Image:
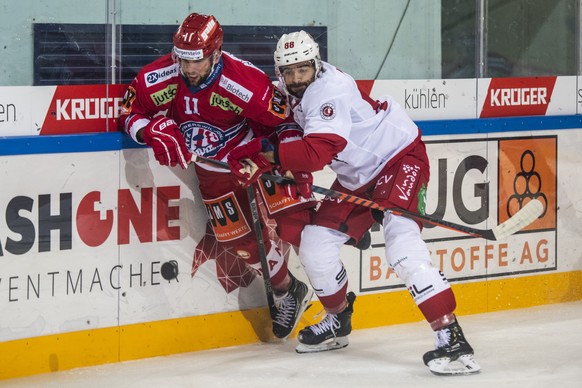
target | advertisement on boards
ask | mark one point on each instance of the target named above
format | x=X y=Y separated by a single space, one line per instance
x=481 y=182
x=59 y=110
x=84 y=238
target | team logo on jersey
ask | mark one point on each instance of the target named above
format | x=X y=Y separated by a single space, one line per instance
x=205 y=139
x=224 y=103
x=235 y=88
x=327 y=111
x=160 y=75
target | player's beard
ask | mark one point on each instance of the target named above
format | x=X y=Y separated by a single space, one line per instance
x=298 y=89
x=195 y=79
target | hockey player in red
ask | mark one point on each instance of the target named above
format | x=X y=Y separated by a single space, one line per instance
x=200 y=99
x=376 y=152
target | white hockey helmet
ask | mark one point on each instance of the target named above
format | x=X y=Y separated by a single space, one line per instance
x=296 y=47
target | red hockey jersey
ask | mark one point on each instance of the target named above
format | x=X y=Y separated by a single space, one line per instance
x=215 y=116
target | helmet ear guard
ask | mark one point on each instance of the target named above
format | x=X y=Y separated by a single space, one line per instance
x=293 y=48
x=198 y=37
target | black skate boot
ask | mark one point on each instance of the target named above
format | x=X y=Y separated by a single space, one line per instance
x=329 y=334
x=290 y=307
x=453 y=354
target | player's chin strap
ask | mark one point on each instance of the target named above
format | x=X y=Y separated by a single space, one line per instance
x=528 y=214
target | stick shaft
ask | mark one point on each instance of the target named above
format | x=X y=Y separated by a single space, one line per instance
x=262 y=251
x=520 y=220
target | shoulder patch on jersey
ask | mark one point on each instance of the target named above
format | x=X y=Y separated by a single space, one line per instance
x=128 y=99
x=235 y=88
x=278 y=104
x=327 y=111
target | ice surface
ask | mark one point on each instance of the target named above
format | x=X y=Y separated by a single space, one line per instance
x=534 y=347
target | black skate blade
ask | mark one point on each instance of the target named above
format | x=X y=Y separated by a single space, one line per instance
x=335 y=343
x=463 y=366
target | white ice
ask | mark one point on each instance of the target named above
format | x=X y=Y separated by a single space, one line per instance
x=533 y=347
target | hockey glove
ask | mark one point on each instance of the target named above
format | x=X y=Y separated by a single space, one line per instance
x=301 y=188
x=246 y=162
x=167 y=142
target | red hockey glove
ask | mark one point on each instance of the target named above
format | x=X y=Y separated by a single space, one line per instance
x=301 y=188
x=246 y=162
x=167 y=142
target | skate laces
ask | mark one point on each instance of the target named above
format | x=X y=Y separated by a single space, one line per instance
x=286 y=306
x=330 y=322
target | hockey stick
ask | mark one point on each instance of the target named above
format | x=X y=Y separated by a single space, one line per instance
x=258 y=234
x=528 y=214
x=262 y=251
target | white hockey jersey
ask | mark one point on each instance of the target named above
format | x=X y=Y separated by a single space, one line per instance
x=333 y=106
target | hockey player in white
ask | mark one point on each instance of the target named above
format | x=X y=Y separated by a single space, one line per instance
x=377 y=152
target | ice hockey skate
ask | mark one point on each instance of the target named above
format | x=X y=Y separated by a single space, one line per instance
x=329 y=334
x=290 y=307
x=453 y=354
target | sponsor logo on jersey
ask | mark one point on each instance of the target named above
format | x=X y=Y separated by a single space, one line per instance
x=236 y=89
x=327 y=111
x=518 y=96
x=406 y=181
x=160 y=75
x=165 y=95
x=226 y=217
x=421 y=196
x=224 y=103
x=275 y=199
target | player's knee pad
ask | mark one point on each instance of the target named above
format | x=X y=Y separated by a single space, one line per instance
x=320 y=256
x=409 y=257
x=404 y=246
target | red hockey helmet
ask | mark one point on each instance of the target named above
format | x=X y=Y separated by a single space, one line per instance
x=197 y=37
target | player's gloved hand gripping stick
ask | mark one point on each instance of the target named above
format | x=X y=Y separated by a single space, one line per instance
x=528 y=214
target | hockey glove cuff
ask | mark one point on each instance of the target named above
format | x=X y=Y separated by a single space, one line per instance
x=301 y=188
x=247 y=163
x=167 y=142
